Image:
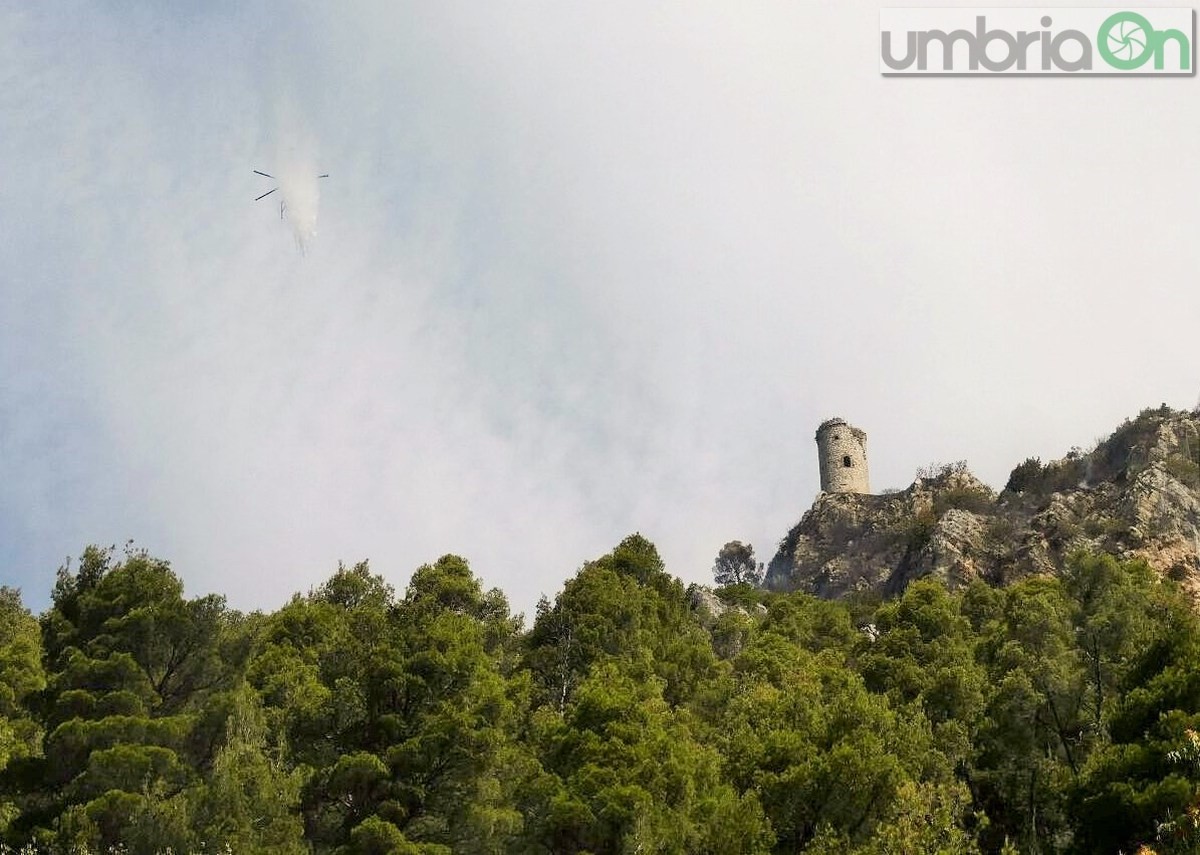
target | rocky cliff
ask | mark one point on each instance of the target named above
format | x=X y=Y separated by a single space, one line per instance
x=1136 y=494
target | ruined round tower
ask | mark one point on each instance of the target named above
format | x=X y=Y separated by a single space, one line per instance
x=842 y=454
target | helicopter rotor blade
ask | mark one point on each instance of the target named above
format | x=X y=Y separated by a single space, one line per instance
x=268 y=193
x=264 y=175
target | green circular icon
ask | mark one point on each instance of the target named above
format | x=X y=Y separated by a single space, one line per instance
x=1125 y=40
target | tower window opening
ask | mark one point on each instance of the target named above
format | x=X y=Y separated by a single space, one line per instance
x=846 y=461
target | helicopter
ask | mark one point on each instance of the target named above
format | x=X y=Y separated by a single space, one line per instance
x=282 y=203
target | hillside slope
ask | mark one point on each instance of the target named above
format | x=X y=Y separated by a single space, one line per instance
x=1136 y=495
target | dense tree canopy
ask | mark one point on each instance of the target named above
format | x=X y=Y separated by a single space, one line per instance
x=1055 y=715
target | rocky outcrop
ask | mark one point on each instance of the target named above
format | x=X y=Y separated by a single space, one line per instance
x=1164 y=523
x=729 y=625
x=956 y=550
x=709 y=606
x=848 y=543
x=1136 y=495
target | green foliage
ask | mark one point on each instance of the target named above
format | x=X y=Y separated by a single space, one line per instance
x=247 y=801
x=967 y=497
x=926 y=818
x=138 y=709
x=923 y=654
x=633 y=777
x=21 y=679
x=745 y=595
x=622 y=607
x=735 y=565
x=403 y=709
x=1126 y=450
x=940 y=471
x=1055 y=715
x=802 y=733
x=730 y=633
x=377 y=836
x=918 y=531
x=1183 y=468
x=1146 y=774
x=1001 y=532
x=1032 y=478
x=1025 y=476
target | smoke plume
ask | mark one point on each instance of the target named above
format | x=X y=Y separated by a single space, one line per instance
x=300 y=191
x=294 y=164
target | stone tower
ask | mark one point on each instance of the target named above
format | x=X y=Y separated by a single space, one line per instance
x=842 y=453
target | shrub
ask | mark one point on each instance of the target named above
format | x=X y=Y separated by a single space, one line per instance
x=937 y=471
x=1119 y=454
x=919 y=531
x=1034 y=478
x=967 y=498
x=1183 y=469
x=1026 y=476
x=744 y=594
x=1001 y=531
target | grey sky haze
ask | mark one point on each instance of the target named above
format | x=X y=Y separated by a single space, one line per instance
x=580 y=269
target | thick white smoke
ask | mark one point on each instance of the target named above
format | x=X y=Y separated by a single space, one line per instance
x=298 y=185
x=294 y=165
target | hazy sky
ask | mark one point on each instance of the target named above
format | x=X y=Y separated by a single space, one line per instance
x=581 y=269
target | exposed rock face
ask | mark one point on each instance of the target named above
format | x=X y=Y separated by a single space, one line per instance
x=703 y=600
x=728 y=635
x=848 y=542
x=709 y=606
x=1136 y=495
x=955 y=550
